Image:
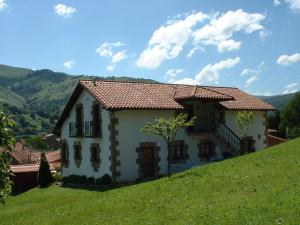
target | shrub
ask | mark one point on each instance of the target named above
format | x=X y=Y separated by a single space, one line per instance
x=82 y=179
x=44 y=176
x=66 y=180
x=91 y=180
x=104 y=180
x=57 y=177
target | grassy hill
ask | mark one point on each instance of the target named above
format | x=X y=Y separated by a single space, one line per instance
x=35 y=99
x=259 y=188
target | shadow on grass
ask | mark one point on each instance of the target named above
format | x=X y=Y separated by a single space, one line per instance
x=103 y=188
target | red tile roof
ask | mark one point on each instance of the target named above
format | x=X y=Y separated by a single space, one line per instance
x=26 y=168
x=136 y=95
x=53 y=156
x=242 y=100
x=23 y=154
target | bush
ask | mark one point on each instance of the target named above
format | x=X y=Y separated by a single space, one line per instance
x=91 y=180
x=104 y=180
x=44 y=176
x=76 y=179
x=57 y=177
x=82 y=179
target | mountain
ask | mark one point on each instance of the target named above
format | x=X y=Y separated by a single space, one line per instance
x=35 y=99
x=278 y=101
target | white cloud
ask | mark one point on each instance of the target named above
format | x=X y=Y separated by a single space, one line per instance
x=287 y=60
x=113 y=52
x=186 y=80
x=193 y=50
x=250 y=81
x=64 y=11
x=3 y=5
x=276 y=2
x=168 y=41
x=110 y=67
x=119 y=56
x=228 y=45
x=210 y=73
x=294 y=5
x=69 y=64
x=222 y=29
x=107 y=49
x=265 y=93
x=249 y=72
x=263 y=34
x=291 y=85
x=290 y=88
x=173 y=72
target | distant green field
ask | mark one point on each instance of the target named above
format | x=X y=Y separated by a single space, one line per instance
x=259 y=188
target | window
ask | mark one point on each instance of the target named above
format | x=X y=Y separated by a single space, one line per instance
x=95 y=156
x=178 y=152
x=206 y=150
x=96 y=114
x=79 y=120
x=64 y=153
x=77 y=153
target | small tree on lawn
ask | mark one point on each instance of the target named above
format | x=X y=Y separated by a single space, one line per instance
x=167 y=129
x=244 y=120
x=44 y=177
x=6 y=142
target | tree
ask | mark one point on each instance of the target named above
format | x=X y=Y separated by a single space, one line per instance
x=290 y=117
x=244 y=120
x=7 y=140
x=168 y=129
x=44 y=177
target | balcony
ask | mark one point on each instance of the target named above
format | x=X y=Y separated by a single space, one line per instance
x=72 y=129
x=75 y=129
x=91 y=129
x=203 y=125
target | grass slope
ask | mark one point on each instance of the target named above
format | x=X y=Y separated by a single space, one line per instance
x=259 y=188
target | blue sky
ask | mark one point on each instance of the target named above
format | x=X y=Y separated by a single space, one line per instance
x=253 y=45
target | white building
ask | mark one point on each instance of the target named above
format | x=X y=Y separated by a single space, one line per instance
x=100 y=128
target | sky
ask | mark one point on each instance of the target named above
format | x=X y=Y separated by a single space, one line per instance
x=253 y=45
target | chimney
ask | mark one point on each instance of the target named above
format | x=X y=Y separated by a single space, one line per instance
x=94 y=82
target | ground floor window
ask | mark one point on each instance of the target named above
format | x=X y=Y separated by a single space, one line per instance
x=95 y=156
x=77 y=153
x=178 y=151
x=206 y=150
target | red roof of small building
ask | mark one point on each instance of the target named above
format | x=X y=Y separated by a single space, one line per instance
x=23 y=154
x=53 y=156
x=25 y=168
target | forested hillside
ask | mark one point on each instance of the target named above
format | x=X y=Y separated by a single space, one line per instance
x=35 y=99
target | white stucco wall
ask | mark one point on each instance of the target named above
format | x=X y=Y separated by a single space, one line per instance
x=130 y=136
x=257 y=129
x=85 y=168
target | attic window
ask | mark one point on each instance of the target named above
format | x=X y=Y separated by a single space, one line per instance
x=79 y=120
x=97 y=120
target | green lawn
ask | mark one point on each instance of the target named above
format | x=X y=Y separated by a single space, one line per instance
x=260 y=188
